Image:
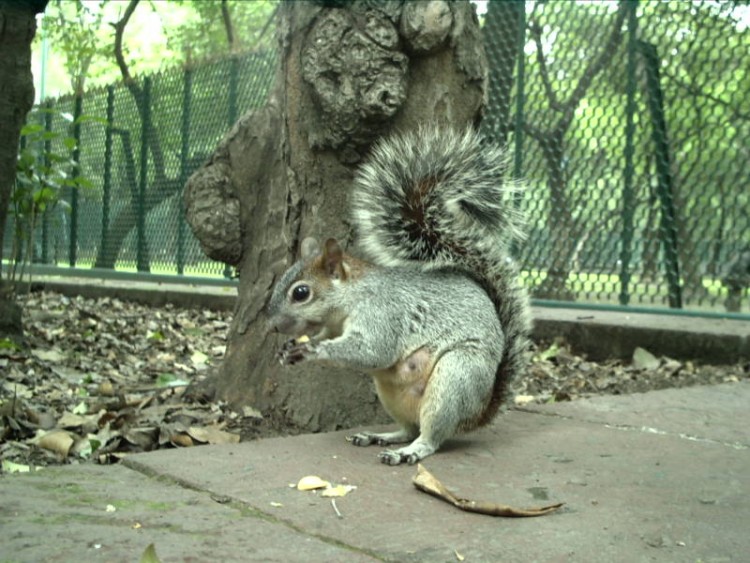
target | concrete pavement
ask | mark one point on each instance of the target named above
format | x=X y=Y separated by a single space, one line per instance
x=662 y=476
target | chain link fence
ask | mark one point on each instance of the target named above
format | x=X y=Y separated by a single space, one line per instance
x=628 y=120
x=131 y=219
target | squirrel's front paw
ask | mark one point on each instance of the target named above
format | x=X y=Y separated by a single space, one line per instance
x=293 y=352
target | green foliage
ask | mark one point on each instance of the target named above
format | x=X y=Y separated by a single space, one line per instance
x=198 y=30
x=73 y=28
x=41 y=175
x=702 y=48
x=80 y=37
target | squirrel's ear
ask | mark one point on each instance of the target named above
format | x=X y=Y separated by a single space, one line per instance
x=333 y=260
x=309 y=248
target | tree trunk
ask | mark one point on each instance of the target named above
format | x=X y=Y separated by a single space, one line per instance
x=17 y=28
x=566 y=232
x=347 y=76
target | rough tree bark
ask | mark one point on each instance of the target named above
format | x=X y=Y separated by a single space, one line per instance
x=17 y=28
x=348 y=74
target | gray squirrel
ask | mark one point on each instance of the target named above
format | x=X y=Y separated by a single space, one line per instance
x=438 y=316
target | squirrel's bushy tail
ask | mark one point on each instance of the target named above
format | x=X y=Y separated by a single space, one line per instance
x=425 y=195
x=443 y=198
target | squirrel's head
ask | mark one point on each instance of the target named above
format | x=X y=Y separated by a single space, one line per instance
x=307 y=298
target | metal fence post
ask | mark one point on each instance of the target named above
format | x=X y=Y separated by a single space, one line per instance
x=47 y=150
x=107 y=179
x=628 y=196
x=665 y=192
x=187 y=96
x=141 y=262
x=520 y=101
x=77 y=111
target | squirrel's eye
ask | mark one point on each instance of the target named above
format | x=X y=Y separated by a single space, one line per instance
x=301 y=293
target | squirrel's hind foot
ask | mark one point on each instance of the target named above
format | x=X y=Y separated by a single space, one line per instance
x=411 y=454
x=401 y=436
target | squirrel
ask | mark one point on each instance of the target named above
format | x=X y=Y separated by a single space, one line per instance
x=438 y=315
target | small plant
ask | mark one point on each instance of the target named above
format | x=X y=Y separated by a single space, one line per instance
x=41 y=175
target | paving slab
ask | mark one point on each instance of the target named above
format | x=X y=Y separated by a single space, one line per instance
x=681 y=493
x=713 y=412
x=61 y=515
x=630 y=495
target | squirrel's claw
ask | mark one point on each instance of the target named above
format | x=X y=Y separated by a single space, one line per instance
x=293 y=352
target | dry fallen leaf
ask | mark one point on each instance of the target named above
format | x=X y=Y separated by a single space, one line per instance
x=182 y=440
x=70 y=420
x=198 y=357
x=337 y=491
x=212 y=435
x=312 y=482
x=52 y=355
x=57 y=441
x=428 y=483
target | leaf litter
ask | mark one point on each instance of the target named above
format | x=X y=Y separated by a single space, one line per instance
x=101 y=378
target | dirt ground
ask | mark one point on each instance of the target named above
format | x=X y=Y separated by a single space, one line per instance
x=100 y=378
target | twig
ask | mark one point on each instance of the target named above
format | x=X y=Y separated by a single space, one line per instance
x=335 y=508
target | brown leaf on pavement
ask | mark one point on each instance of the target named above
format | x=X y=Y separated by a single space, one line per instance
x=428 y=483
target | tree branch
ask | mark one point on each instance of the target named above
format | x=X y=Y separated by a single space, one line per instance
x=228 y=27
x=151 y=135
x=597 y=64
x=536 y=33
x=697 y=92
x=119 y=32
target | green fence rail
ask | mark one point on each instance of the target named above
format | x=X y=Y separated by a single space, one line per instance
x=629 y=121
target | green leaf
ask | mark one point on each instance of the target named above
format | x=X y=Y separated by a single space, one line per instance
x=83 y=182
x=149 y=555
x=157 y=335
x=170 y=380
x=91 y=119
x=8 y=344
x=48 y=136
x=70 y=143
x=549 y=353
x=30 y=129
x=10 y=467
